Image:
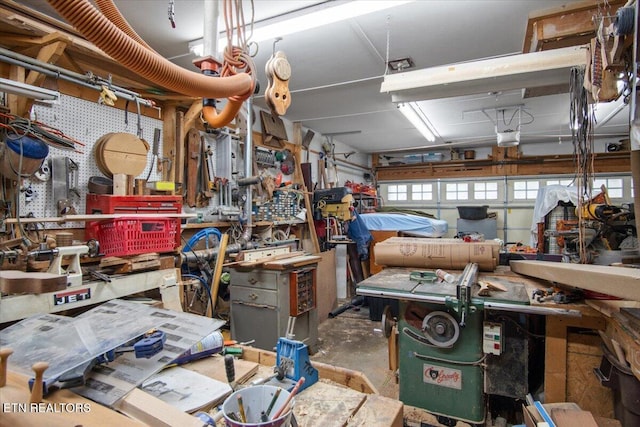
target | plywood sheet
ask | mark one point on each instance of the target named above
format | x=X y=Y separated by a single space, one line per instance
x=616 y=281
x=573 y=418
x=583 y=387
x=326 y=285
x=213 y=367
x=378 y=411
x=326 y=405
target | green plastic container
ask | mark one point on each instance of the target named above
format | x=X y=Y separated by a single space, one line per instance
x=443 y=381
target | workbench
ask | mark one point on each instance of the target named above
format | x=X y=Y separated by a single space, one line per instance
x=341 y=397
x=16 y=307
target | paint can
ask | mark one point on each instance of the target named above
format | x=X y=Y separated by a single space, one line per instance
x=255 y=401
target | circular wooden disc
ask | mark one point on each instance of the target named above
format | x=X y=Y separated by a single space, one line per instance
x=122 y=153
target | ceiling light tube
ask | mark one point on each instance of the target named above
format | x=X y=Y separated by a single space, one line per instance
x=23 y=89
x=307 y=20
x=414 y=114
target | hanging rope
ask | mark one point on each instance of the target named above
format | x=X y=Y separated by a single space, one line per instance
x=236 y=57
x=582 y=121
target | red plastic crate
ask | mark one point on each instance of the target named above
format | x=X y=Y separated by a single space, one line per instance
x=128 y=205
x=133 y=236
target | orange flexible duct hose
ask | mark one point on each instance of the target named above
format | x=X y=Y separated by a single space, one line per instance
x=117 y=44
x=111 y=12
x=228 y=113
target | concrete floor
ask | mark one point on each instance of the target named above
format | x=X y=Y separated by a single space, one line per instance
x=352 y=341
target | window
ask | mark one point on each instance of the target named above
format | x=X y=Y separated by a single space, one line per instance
x=613 y=185
x=525 y=190
x=485 y=190
x=397 y=192
x=457 y=191
x=565 y=182
x=422 y=192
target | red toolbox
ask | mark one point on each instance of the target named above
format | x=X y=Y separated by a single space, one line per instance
x=126 y=205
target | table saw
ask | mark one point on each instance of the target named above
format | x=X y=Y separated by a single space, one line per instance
x=456 y=347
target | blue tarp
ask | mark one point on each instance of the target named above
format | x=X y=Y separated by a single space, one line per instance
x=415 y=224
x=359 y=233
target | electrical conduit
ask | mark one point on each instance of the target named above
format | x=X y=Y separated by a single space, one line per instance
x=116 y=43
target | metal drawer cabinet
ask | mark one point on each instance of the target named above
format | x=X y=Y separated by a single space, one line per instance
x=262 y=302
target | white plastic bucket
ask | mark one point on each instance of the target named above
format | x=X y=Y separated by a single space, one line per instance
x=255 y=400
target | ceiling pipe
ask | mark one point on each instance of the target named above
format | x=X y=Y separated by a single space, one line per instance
x=29 y=63
x=99 y=30
x=210 y=28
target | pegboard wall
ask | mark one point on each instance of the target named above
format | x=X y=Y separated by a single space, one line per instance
x=83 y=121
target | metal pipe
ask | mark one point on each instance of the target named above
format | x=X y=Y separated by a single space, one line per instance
x=210 y=36
x=119 y=92
x=248 y=169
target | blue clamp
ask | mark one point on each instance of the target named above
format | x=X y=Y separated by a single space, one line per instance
x=150 y=345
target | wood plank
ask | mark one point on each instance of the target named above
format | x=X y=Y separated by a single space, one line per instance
x=572 y=418
x=555 y=370
x=192 y=156
x=378 y=411
x=214 y=367
x=609 y=307
x=527 y=165
x=169 y=141
x=617 y=281
x=284 y=264
x=327 y=405
x=87 y=412
x=327 y=298
x=154 y=412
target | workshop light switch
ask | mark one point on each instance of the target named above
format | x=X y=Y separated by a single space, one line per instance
x=492 y=338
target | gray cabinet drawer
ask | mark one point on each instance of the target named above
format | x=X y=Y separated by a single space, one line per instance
x=254 y=295
x=259 y=278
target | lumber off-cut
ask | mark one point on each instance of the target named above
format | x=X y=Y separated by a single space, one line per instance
x=453 y=254
x=620 y=282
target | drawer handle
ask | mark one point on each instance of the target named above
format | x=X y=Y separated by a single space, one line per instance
x=253 y=281
x=253 y=296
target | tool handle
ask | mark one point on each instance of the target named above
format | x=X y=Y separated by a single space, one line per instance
x=4 y=356
x=37 y=390
x=285 y=405
x=229 y=368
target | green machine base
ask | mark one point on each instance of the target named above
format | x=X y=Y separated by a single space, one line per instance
x=440 y=363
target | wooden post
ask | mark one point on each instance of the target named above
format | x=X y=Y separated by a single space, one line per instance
x=217 y=272
x=170 y=140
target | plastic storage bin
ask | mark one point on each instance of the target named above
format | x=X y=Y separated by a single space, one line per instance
x=133 y=236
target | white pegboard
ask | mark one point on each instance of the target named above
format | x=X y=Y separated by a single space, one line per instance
x=84 y=121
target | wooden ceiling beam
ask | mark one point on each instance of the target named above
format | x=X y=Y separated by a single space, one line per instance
x=566 y=25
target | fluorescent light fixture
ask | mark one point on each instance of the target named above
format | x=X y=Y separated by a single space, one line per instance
x=307 y=21
x=23 y=89
x=418 y=119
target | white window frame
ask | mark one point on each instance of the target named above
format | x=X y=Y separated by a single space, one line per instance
x=529 y=193
x=419 y=195
x=395 y=190
x=458 y=189
x=485 y=192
